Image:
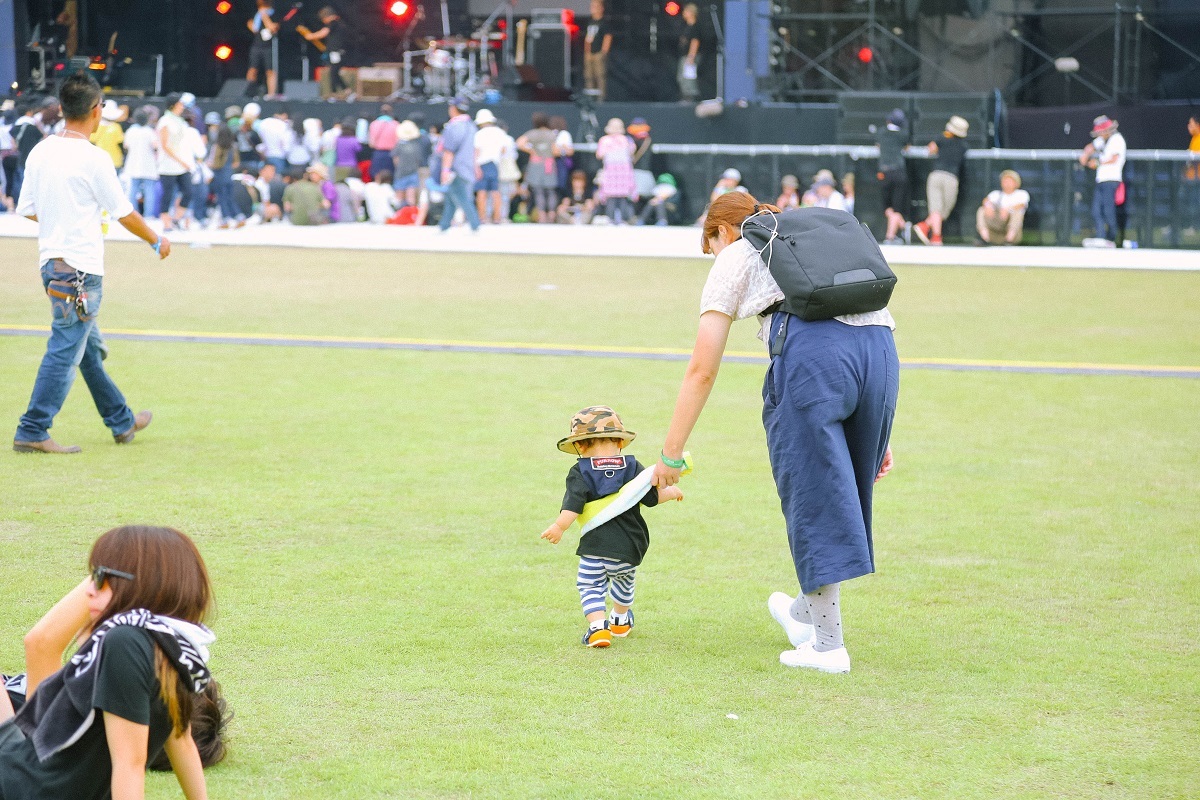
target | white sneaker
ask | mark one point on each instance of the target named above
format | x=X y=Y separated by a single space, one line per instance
x=797 y=632
x=836 y=661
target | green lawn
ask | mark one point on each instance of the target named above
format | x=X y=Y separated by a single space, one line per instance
x=391 y=626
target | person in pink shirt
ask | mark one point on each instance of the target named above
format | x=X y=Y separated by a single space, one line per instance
x=381 y=136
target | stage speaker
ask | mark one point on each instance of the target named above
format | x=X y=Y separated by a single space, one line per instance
x=232 y=89
x=302 y=90
x=377 y=83
x=549 y=50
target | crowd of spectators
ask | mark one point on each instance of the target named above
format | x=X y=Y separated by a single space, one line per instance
x=189 y=169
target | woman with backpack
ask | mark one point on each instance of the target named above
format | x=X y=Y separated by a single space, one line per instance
x=828 y=401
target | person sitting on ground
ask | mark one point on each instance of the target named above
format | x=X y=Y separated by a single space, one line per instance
x=661 y=202
x=89 y=729
x=304 y=202
x=577 y=207
x=270 y=186
x=380 y=198
x=730 y=181
x=823 y=194
x=789 y=192
x=1001 y=216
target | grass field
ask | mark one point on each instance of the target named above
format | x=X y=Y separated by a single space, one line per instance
x=391 y=626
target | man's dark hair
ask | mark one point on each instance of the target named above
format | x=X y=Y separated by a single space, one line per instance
x=140 y=117
x=78 y=96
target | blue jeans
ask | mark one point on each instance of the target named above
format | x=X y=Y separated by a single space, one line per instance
x=222 y=187
x=73 y=343
x=149 y=189
x=1104 y=210
x=458 y=195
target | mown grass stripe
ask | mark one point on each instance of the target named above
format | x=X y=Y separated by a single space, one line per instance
x=594 y=351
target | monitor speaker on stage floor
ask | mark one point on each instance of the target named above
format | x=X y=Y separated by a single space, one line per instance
x=302 y=90
x=233 y=89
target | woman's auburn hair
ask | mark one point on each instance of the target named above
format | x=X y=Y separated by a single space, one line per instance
x=731 y=210
x=170 y=580
x=170 y=577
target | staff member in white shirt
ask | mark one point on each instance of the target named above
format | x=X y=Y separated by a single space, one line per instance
x=1106 y=155
x=68 y=183
x=175 y=164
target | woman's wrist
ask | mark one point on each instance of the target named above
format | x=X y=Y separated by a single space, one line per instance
x=673 y=463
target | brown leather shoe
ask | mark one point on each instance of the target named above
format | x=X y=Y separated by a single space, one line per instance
x=140 y=421
x=45 y=446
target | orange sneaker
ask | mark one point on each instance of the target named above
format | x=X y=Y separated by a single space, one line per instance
x=935 y=241
x=617 y=628
x=921 y=229
x=597 y=637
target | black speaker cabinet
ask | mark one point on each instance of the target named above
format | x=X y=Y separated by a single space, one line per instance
x=549 y=49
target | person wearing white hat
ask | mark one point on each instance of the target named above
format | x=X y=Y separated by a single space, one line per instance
x=941 y=188
x=490 y=142
x=617 y=182
x=407 y=159
x=109 y=136
x=1106 y=155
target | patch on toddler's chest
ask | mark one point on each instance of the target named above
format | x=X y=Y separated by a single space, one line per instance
x=608 y=462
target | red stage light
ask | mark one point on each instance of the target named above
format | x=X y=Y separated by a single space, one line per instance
x=672 y=8
x=223 y=52
x=398 y=9
x=865 y=55
x=224 y=7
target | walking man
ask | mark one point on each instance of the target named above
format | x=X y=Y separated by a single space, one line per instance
x=457 y=148
x=68 y=183
x=1106 y=155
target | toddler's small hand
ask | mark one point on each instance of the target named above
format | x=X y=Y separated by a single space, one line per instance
x=552 y=534
x=671 y=493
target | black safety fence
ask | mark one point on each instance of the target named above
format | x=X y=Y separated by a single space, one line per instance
x=1162 y=207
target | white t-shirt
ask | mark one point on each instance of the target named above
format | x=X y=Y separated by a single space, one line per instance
x=489 y=144
x=1005 y=202
x=739 y=285
x=378 y=198
x=141 y=152
x=68 y=181
x=1115 y=146
x=836 y=201
x=277 y=136
x=176 y=130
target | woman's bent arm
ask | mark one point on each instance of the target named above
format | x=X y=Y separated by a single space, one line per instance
x=46 y=641
x=698 y=381
x=185 y=761
x=127 y=743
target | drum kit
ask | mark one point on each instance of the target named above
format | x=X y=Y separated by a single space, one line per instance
x=453 y=66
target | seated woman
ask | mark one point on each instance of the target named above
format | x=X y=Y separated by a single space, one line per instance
x=128 y=694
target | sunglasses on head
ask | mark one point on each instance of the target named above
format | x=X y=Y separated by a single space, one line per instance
x=100 y=576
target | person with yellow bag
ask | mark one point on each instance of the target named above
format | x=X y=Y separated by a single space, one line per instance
x=605 y=492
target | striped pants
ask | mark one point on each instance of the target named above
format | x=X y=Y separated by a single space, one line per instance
x=599 y=577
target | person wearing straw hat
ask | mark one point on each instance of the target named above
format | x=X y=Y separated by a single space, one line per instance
x=941 y=188
x=109 y=136
x=1106 y=155
x=609 y=552
x=1001 y=216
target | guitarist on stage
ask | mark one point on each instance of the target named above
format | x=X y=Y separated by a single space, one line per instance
x=264 y=29
x=333 y=36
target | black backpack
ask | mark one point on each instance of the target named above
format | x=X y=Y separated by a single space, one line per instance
x=826 y=262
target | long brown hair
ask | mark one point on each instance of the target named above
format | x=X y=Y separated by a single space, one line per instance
x=170 y=580
x=730 y=209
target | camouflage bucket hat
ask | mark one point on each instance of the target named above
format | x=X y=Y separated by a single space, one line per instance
x=595 y=422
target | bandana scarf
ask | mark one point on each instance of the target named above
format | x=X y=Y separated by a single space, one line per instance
x=61 y=710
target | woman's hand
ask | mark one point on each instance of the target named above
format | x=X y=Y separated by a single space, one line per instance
x=887 y=465
x=664 y=476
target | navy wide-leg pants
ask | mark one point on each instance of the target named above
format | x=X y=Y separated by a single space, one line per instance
x=828 y=403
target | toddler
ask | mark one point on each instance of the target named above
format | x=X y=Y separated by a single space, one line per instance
x=610 y=551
